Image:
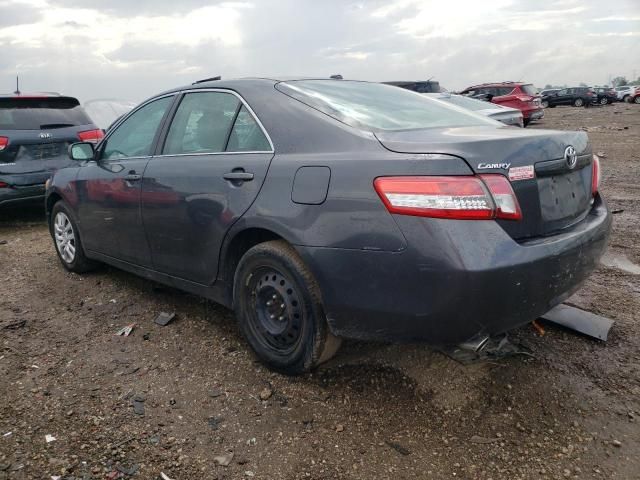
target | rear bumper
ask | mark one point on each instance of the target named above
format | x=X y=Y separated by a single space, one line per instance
x=15 y=196
x=455 y=280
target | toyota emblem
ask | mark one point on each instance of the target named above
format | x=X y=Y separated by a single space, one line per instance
x=570 y=156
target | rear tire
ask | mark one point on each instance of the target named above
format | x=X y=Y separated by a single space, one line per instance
x=637 y=100
x=279 y=309
x=626 y=98
x=578 y=102
x=66 y=239
x=604 y=101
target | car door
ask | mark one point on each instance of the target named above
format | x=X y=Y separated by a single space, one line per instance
x=212 y=163
x=109 y=187
x=562 y=97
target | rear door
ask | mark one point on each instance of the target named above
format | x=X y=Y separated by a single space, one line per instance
x=109 y=188
x=35 y=133
x=213 y=161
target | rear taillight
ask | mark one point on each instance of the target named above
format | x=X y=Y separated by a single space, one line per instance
x=482 y=197
x=4 y=141
x=4 y=185
x=91 y=135
x=595 y=175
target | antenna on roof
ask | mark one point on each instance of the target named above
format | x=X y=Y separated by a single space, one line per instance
x=211 y=79
x=17 y=92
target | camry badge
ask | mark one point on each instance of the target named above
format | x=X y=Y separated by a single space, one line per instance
x=45 y=135
x=487 y=166
x=570 y=156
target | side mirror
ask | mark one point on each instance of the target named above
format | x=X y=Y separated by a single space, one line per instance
x=81 y=151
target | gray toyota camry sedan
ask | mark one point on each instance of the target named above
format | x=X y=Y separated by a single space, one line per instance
x=326 y=209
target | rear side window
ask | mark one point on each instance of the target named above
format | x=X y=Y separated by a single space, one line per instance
x=373 y=106
x=18 y=113
x=134 y=136
x=213 y=122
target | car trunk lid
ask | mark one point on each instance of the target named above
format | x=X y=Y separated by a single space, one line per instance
x=552 y=195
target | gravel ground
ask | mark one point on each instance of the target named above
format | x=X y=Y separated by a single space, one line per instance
x=188 y=398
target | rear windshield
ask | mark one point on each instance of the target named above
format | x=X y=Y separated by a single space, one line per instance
x=529 y=89
x=374 y=106
x=41 y=113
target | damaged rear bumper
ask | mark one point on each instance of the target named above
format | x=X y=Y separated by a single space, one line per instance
x=455 y=280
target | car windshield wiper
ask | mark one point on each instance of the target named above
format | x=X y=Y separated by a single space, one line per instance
x=47 y=126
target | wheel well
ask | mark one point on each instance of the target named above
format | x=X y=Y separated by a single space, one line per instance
x=239 y=245
x=51 y=201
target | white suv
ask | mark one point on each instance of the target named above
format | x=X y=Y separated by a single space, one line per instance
x=622 y=93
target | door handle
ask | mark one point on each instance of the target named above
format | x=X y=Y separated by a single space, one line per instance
x=132 y=177
x=238 y=176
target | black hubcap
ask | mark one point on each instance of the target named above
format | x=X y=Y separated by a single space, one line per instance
x=277 y=313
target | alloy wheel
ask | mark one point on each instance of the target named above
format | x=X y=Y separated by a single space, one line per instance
x=65 y=237
x=604 y=101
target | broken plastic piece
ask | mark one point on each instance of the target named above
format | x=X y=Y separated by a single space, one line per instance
x=224 y=460
x=580 y=321
x=539 y=328
x=164 y=318
x=49 y=438
x=165 y=476
x=125 y=331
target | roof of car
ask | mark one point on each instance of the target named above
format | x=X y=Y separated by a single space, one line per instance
x=31 y=95
x=487 y=84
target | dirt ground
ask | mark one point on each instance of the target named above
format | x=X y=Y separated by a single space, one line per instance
x=570 y=410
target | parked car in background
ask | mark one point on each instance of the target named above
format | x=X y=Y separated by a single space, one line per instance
x=548 y=91
x=576 y=96
x=35 y=133
x=420 y=86
x=520 y=95
x=634 y=97
x=506 y=115
x=104 y=112
x=624 y=92
x=322 y=209
x=605 y=95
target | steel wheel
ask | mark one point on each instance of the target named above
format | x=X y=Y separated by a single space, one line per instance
x=275 y=313
x=65 y=237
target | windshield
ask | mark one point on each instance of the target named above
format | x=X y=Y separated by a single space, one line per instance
x=375 y=106
x=33 y=113
x=529 y=89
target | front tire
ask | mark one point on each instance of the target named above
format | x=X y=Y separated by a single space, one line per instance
x=578 y=102
x=279 y=309
x=637 y=99
x=544 y=104
x=604 y=101
x=66 y=239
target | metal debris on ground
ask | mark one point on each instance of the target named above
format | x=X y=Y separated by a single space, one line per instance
x=216 y=392
x=491 y=349
x=580 y=321
x=3 y=242
x=125 y=331
x=214 y=422
x=224 y=460
x=164 y=318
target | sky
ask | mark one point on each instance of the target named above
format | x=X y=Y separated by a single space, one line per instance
x=132 y=49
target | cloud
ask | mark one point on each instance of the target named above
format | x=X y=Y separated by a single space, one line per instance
x=134 y=49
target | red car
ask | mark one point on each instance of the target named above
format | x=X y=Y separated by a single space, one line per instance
x=634 y=97
x=522 y=96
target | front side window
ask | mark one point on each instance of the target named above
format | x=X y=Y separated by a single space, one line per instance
x=134 y=137
x=374 y=106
